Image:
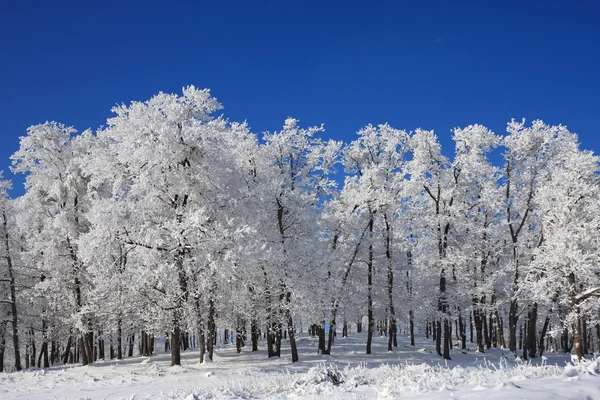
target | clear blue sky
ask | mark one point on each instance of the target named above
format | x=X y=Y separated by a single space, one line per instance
x=429 y=64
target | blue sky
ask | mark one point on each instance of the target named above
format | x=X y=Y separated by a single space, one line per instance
x=430 y=64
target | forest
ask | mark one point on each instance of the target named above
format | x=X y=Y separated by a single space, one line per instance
x=172 y=221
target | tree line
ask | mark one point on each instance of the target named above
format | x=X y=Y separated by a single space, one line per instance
x=173 y=221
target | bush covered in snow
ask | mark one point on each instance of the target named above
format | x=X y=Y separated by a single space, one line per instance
x=388 y=380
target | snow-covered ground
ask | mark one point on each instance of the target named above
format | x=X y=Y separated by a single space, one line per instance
x=408 y=372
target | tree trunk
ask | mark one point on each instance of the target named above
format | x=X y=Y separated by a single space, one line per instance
x=44 y=349
x=598 y=336
x=393 y=340
x=577 y=339
x=2 y=344
x=463 y=333
x=278 y=337
x=202 y=345
x=320 y=330
x=292 y=336
x=101 y=354
x=500 y=330
x=13 y=296
x=478 y=330
x=470 y=327
x=119 y=339
x=67 y=350
x=44 y=355
x=175 y=338
x=131 y=341
x=531 y=330
x=442 y=305
x=512 y=326
x=254 y=334
x=27 y=354
x=486 y=331
x=543 y=334
x=371 y=323
x=210 y=328
x=82 y=352
x=447 y=339
x=437 y=334
x=411 y=327
x=525 y=337
x=584 y=335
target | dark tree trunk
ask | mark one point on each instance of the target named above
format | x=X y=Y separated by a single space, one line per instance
x=202 y=345
x=525 y=337
x=447 y=339
x=111 y=350
x=13 y=296
x=175 y=339
x=254 y=334
x=101 y=346
x=278 y=337
x=486 y=331
x=131 y=343
x=43 y=355
x=437 y=334
x=210 y=329
x=119 y=339
x=463 y=333
x=500 y=330
x=371 y=320
x=411 y=327
x=2 y=344
x=320 y=330
x=512 y=326
x=67 y=350
x=470 y=327
x=520 y=337
x=564 y=341
x=27 y=354
x=143 y=343
x=442 y=305
x=270 y=340
x=584 y=335
x=493 y=331
x=81 y=351
x=478 y=330
x=531 y=331
x=393 y=340
x=292 y=337
x=238 y=340
x=331 y=335
x=577 y=337
x=44 y=349
x=185 y=341
x=345 y=329
x=543 y=334
x=598 y=336
x=54 y=353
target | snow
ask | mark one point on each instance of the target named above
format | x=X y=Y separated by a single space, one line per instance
x=407 y=372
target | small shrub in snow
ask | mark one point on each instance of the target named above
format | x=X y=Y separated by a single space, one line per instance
x=325 y=374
